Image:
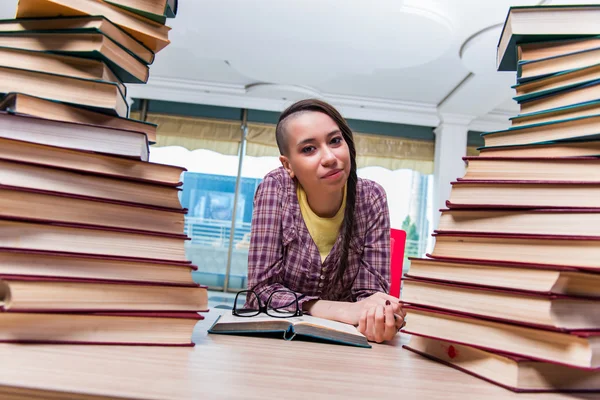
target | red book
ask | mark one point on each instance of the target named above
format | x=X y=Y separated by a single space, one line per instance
x=575 y=349
x=124 y=328
x=78 y=210
x=87 y=161
x=575 y=252
x=568 y=222
x=549 y=311
x=515 y=373
x=77 y=239
x=66 y=265
x=523 y=194
x=34 y=294
x=513 y=276
x=87 y=185
x=101 y=139
x=564 y=169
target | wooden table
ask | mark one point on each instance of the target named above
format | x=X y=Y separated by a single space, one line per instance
x=222 y=366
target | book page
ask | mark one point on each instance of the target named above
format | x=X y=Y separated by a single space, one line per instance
x=229 y=318
x=326 y=324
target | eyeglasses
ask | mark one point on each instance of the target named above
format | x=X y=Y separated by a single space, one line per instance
x=280 y=304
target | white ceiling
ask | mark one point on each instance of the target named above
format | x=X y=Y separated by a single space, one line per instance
x=406 y=61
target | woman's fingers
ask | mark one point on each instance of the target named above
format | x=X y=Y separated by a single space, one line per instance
x=390 y=329
x=399 y=322
x=371 y=323
x=379 y=324
x=400 y=311
x=362 y=322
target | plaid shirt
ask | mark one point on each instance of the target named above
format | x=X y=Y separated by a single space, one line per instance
x=283 y=255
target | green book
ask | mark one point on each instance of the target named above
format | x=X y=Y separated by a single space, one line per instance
x=526 y=24
x=168 y=9
x=19 y=103
x=86 y=44
x=574 y=108
x=58 y=64
x=305 y=326
x=564 y=148
x=107 y=97
x=93 y=24
x=549 y=92
x=586 y=127
x=566 y=64
x=575 y=75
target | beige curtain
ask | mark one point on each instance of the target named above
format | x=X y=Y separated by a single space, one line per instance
x=394 y=153
x=194 y=133
x=224 y=137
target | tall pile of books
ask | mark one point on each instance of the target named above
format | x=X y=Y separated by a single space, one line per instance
x=511 y=290
x=91 y=233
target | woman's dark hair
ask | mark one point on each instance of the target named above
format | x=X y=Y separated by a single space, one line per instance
x=314 y=105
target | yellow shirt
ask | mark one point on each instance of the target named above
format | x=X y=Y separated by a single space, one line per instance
x=324 y=231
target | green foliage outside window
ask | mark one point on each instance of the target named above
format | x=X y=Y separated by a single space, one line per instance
x=412 y=238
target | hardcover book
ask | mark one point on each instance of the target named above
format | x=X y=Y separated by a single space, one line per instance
x=515 y=373
x=543 y=23
x=19 y=103
x=580 y=128
x=523 y=194
x=584 y=222
x=91 y=45
x=584 y=109
x=575 y=252
x=77 y=239
x=562 y=169
x=124 y=328
x=101 y=139
x=75 y=183
x=156 y=10
x=582 y=148
x=49 y=206
x=580 y=349
x=36 y=294
x=546 y=279
x=89 y=162
x=91 y=24
x=150 y=33
x=107 y=97
x=53 y=264
x=551 y=311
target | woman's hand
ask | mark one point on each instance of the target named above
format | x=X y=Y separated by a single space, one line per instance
x=356 y=309
x=378 y=317
x=380 y=323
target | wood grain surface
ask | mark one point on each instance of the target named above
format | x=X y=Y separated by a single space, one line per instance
x=222 y=366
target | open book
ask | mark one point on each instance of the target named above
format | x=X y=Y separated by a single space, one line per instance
x=305 y=325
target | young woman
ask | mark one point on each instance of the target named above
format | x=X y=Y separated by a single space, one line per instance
x=321 y=232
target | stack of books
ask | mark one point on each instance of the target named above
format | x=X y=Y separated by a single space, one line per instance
x=511 y=290
x=91 y=233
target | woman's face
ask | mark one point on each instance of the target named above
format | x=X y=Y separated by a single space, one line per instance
x=318 y=156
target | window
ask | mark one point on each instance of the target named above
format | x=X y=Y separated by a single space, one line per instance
x=209 y=198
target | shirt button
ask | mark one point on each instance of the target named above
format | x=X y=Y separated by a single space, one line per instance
x=322 y=276
x=320 y=284
x=324 y=269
